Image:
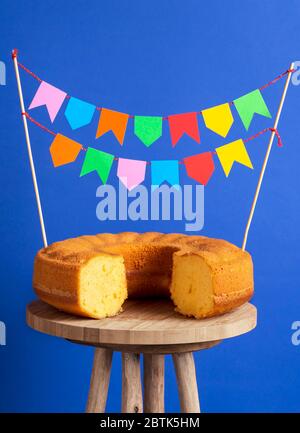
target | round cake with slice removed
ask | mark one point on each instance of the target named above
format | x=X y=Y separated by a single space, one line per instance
x=92 y=276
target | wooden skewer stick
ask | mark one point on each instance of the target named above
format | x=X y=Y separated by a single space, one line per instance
x=261 y=176
x=35 y=184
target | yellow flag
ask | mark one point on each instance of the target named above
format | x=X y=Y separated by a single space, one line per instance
x=219 y=119
x=233 y=152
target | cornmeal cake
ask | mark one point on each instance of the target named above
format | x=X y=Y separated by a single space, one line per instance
x=93 y=275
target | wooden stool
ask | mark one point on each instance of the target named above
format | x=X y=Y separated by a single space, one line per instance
x=150 y=327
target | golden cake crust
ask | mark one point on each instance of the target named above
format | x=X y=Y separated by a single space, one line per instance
x=148 y=261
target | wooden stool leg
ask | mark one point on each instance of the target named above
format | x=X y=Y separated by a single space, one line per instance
x=154 y=398
x=132 y=400
x=99 y=381
x=187 y=382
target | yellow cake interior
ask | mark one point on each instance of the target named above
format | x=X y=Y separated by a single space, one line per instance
x=192 y=286
x=103 y=286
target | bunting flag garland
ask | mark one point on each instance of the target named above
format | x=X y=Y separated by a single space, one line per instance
x=112 y=121
x=131 y=172
x=218 y=119
x=164 y=171
x=99 y=161
x=79 y=113
x=180 y=124
x=233 y=152
x=148 y=128
x=250 y=104
x=200 y=167
x=63 y=150
x=50 y=96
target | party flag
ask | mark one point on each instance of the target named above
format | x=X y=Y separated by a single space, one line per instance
x=96 y=160
x=112 y=121
x=250 y=104
x=186 y=123
x=131 y=172
x=79 y=113
x=200 y=167
x=64 y=150
x=231 y=152
x=164 y=171
x=148 y=129
x=219 y=119
x=50 y=96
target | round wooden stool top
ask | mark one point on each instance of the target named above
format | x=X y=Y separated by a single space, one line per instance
x=142 y=323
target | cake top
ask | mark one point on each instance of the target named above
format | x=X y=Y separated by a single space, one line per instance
x=79 y=250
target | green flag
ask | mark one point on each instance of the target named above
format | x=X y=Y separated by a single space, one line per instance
x=96 y=160
x=249 y=104
x=148 y=129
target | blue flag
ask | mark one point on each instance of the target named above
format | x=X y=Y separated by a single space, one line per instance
x=79 y=113
x=164 y=171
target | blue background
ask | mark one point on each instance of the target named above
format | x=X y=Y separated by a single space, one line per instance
x=152 y=57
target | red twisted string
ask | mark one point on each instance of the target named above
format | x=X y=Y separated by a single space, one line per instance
x=270 y=83
x=44 y=128
x=263 y=131
x=279 y=141
x=276 y=79
x=30 y=72
x=38 y=124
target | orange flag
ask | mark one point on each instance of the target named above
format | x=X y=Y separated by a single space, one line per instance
x=64 y=150
x=112 y=121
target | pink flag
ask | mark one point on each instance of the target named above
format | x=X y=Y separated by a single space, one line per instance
x=50 y=96
x=131 y=172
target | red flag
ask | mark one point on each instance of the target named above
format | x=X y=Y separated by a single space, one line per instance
x=186 y=123
x=200 y=167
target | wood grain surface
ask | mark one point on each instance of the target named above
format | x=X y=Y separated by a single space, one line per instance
x=142 y=322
